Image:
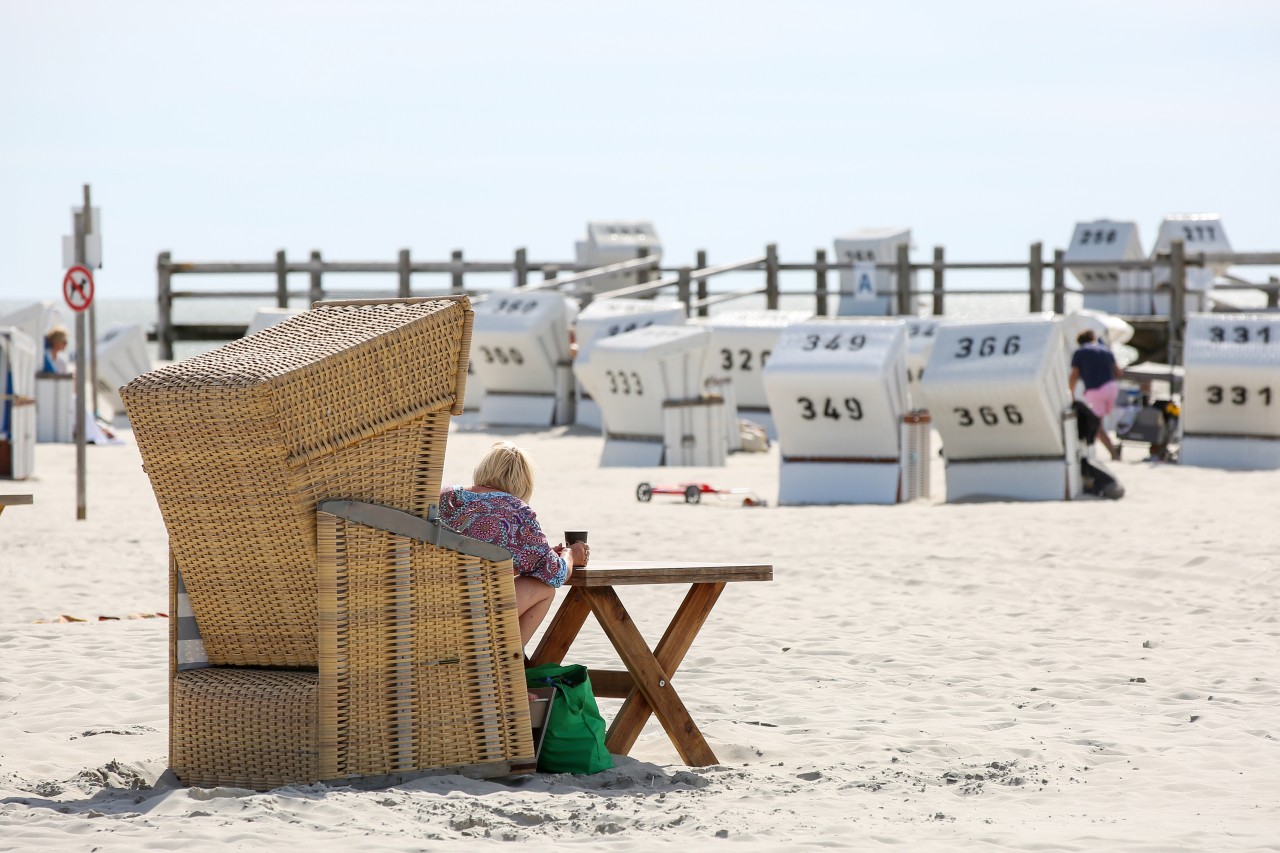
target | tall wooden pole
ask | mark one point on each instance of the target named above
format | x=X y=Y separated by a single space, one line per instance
x=164 y=305
x=905 y=296
x=702 y=283
x=771 y=276
x=456 y=283
x=316 y=291
x=282 y=280
x=403 y=289
x=1059 y=281
x=1036 y=267
x=1177 y=298
x=522 y=266
x=684 y=288
x=939 y=271
x=820 y=282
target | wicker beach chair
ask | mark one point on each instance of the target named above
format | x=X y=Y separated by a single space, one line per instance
x=326 y=626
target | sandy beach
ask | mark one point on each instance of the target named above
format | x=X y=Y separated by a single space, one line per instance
x=1092 y=675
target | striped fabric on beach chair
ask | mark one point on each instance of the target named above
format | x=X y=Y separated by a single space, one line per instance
x=328 y=627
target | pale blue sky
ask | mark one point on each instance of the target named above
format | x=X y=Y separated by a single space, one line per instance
x=230 y=130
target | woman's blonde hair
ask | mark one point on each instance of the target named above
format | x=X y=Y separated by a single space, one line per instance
x=56 y=335
x=506 y=468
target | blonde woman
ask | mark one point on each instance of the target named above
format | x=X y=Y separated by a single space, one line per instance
x=495 y=509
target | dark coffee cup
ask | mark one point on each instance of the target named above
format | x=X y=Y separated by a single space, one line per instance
x=571 y=536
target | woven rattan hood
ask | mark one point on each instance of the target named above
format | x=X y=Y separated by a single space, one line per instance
x=345 y=401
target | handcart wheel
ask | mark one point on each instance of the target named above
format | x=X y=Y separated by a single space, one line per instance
x=692 y=494
x=644 y=492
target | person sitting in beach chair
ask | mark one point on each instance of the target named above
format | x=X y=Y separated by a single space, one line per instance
x=55 y=352
x=495 y=509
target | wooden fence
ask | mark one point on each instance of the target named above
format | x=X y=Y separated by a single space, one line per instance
x=689 y=283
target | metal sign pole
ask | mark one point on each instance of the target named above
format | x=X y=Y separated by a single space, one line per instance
x=83 y=225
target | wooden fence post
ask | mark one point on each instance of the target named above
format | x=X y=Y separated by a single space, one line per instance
x=642 y=276
x=1273 y=293
x=1177 y=298
x=1036 y=267
x=282 y=280
x=820 y=282
x=317 y=285
x=905 y=296
x=456 y=283
x=939 y=271
x=522 y=266
x=683 y=288
x=404 y=291
x=771 y=276
x=702 y=283
x=1059 y=281
x=164 y=306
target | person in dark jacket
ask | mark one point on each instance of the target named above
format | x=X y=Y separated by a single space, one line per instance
x=1095 y=364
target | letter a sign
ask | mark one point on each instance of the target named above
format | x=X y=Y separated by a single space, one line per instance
x=864 y=282
x=77 y=288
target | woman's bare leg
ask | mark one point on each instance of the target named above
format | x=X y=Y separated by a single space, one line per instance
x=533 y=600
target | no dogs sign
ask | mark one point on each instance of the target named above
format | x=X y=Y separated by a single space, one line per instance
x=77 y=288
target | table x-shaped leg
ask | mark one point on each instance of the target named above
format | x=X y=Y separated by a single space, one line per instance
x=650 y=671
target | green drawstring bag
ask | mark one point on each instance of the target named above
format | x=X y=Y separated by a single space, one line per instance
x=574 y=739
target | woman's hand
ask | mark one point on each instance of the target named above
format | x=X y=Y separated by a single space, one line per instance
x=581 y=554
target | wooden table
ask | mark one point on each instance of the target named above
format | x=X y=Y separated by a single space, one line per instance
x=13 y=500
x=646 y=685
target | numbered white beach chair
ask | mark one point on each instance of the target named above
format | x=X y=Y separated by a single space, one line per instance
x=520 y=352
x=648 y=384
x=122 y=356
x=1199 y=232
x=838 y=392
x=1231 y=392
x=864 y=290
x=17 y=403
x=998 y=395
x=741 y=345
x=1110 y=289
x=921 y=332
x=605 y=318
